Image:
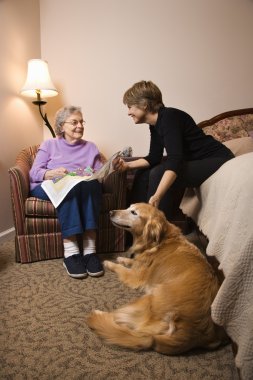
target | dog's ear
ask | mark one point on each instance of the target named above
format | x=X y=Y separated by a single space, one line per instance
x=155 y=230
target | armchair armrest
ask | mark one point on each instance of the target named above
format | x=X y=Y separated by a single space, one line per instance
x=19 y=185
x=116 y=183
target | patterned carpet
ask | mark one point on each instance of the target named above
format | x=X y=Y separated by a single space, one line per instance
x=43 y=334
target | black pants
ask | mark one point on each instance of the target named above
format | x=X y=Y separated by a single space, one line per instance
x=192 y=174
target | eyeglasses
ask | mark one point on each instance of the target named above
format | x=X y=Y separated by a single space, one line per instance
x=74 y=123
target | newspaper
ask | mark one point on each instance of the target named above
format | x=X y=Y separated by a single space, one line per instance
x=58 y=188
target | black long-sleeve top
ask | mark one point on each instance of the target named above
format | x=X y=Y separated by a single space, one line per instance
x=177 y=133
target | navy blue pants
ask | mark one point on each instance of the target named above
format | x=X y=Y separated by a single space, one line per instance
x=79 y=210
x=192 y=174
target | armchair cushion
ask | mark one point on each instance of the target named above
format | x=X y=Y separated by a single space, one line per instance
x=38 y=208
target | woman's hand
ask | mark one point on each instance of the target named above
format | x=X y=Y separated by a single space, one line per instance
x=167 y=180
x=154 y=200
x=119 y=164
x=54 y=173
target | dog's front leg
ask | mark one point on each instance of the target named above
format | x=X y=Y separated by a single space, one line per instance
x=114 y=267
x=126 y=275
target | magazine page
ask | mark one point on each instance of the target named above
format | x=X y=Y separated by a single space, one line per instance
x=58 y=189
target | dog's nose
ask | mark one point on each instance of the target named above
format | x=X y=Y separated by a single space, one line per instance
x=111 y=213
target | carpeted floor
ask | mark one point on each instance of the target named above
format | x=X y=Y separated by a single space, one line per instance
x=43 y=334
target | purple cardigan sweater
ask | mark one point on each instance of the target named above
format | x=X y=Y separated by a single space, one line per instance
x=57 y=152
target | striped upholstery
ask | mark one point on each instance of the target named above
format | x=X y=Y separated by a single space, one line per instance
x=38 y=235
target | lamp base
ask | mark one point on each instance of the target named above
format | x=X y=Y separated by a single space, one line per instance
x=40 y=103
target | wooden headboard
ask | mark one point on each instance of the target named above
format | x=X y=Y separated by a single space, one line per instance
x=224 y=115
x=229 y=125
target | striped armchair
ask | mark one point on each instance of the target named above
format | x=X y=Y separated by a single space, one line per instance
x=38 y=235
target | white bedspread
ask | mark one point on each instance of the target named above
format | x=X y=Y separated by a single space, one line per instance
x=223 y=209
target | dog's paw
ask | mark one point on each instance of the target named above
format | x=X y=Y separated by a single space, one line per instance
x=96 y=311
x=108 y=264
x=120 y=260
x=93 y=318
x=125 y=261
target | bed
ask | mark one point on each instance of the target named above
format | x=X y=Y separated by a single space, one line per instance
x=222 y=208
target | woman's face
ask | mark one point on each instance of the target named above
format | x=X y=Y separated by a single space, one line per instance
x=137 y=114
x=73 y=127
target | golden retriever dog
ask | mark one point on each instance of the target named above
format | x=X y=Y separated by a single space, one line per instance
x=174 y=314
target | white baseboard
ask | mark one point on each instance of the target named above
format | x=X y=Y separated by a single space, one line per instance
x=7 y=234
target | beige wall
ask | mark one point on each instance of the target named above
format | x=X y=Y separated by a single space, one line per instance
x=20 y=125
x=199 y=53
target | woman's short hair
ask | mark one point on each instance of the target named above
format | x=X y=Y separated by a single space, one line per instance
x=61 y=116
x=144 y=95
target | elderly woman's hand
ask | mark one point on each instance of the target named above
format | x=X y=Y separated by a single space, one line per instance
x=54 y=173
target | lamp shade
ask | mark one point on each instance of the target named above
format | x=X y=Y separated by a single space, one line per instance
x=38 y=80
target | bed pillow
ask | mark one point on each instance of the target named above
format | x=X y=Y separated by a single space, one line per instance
x=240 y=146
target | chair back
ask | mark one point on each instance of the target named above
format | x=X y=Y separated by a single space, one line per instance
x=27 y=156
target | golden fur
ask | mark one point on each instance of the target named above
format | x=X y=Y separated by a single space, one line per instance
x=174 y=314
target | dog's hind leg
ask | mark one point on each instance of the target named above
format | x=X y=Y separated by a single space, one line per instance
x=139 y=316
x=105 y=326
x=135 y=314
x=131 y=326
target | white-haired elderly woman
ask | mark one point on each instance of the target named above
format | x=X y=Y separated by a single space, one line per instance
x=78 y=213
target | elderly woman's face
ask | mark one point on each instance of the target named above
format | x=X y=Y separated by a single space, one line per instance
x=73 y=127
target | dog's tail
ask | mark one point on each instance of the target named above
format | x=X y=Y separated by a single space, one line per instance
x=120 y=334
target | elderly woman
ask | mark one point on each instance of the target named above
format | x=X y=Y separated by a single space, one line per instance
x=78 y=213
